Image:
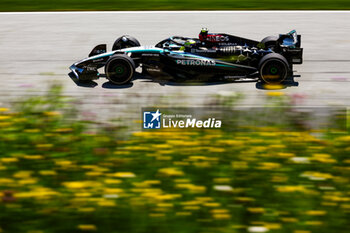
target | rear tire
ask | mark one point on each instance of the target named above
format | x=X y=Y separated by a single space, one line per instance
x=273 y=68
x=120 y=69
x=125 y=42
x=270 y=42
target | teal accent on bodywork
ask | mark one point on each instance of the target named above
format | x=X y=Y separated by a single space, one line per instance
x=128 y=51
x=224 y=65
x=144 y=51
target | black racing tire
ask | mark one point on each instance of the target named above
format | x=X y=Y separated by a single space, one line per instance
x=273 y=68
x=269 y=42
x=125 y=42
x=120 y=69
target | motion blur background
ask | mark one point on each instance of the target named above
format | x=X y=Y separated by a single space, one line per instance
x=108 y=5
x=73 y=157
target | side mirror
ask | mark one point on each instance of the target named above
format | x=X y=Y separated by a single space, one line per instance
x=102 y=48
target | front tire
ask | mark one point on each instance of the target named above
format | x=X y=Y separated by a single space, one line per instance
x=273 y=68
x=120 y=69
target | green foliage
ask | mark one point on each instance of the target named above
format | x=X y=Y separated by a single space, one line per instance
x=59 y=175
x=65 y=5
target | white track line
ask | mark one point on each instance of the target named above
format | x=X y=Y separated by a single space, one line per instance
x=176 y=12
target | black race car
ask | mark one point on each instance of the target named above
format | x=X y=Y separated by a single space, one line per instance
x=210 y=56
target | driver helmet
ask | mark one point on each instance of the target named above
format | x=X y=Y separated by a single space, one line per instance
x=188 y=44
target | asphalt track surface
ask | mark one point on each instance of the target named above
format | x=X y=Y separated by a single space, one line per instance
x=36 y=50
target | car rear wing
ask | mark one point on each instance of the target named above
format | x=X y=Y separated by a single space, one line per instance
x=290 y=40
x=290 y=46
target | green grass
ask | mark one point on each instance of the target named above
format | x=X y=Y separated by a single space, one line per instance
x=122 y=5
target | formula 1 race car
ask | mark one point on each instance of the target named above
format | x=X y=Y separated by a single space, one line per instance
x=210 y=56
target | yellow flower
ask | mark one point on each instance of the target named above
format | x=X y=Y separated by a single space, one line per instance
x=286 y=155
x=4 y=109
x=272 y=226
x=112 y=181
x=256 y=210
x=6 y=181
x=87 y=227
x=22 y=174
x=343 y=139
x=192 y=188
x=165 y=205
x=33 y=157
x=37 y=193
x=291 y=188
x=183 y=143
x=316 y=175
x=2 y=118
x=9 y=160
x=81 y=184
x=216 y=149
x=345 y=206
x=28 y=181
x=63 y=163
x=171 y=171
x=316 y=212
x=219 y=211
x=167 y=196
x=106 y=203
x=231 y=142
x=47 y=173
x=82 y=194
x=162 y=146
x=221 y=214
x=269 y=166
x=124 y=174
x=53 y=113
x=212 y=204
x=93 y=173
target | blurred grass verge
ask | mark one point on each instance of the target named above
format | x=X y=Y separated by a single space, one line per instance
x=125 y=5
x=60 y=174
